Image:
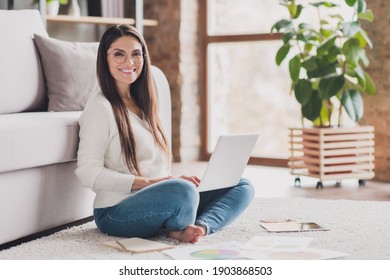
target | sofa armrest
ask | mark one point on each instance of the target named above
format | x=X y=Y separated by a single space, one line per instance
x=164 y=100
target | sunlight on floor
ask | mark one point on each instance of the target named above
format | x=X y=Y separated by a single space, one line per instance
x=278 y=182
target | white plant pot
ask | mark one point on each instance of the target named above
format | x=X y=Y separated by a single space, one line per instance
x=74 y=9
x=52 y=8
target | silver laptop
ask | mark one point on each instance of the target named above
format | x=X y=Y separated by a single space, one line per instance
x=228 y=161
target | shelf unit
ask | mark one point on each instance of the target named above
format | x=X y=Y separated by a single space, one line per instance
x=98 y=20
x=139 y=22
x=332 y=153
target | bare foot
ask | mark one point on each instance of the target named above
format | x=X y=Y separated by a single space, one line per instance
x=192 y=233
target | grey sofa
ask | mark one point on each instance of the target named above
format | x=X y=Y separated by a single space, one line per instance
x=39 y=130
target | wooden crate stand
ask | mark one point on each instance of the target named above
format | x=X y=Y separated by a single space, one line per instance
x=332 y=153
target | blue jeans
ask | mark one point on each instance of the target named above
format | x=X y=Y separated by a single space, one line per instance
x=171 y=205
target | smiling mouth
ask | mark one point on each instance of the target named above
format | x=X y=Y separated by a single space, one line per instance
x=127 y=71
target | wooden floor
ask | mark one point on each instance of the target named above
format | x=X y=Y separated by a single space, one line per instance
x=278 y=182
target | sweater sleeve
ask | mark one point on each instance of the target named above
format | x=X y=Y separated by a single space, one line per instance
x=96 y=131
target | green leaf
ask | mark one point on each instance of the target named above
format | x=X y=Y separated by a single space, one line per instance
x=351 y=3
x=361 y=6
x=295 y=67
x=324 y=68
x=326 y=45
x=326 y=32
x=338 y=17
x=310 y=64
x=352 y=102
x=322 y=119
x=333 y=54
x=308 y=47
x=324 y=3
x=363 y=39
x=306 y=27
x=370 y=88
x=330 y=86
x=292 y=8
x=287 y=37
x=298 y=11
x=283 y=24
x=303 y=91
x=282 y=53
x=367 y=15
x=359 y=74
x=326 y=112
x=307 y=37
x=312 y=109
x=350 y=28
x=351 y=50
x=364 y=59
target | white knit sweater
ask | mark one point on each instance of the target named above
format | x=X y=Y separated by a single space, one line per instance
x=100 y=165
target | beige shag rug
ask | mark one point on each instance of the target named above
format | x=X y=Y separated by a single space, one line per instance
x=359 y=228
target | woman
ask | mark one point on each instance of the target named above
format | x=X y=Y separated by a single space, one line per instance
x=124 y=156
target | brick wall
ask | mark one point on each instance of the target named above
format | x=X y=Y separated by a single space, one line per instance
x=189 y=68
x=173 y=48
x=164 y=48
x=377 y=108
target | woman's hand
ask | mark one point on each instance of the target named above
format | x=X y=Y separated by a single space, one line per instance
x=142 y=182
x=193 y=179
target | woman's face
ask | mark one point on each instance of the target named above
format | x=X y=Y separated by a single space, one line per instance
x=125 y=61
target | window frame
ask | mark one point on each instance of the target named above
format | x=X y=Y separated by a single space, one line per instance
x=210 y=39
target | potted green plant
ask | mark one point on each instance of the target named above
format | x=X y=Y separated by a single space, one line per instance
x=62 y=2
x=52 y=6
x=327 y=62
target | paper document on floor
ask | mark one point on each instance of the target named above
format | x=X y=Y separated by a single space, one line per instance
x=290 y=226
x=138 y=245
x=258 y=248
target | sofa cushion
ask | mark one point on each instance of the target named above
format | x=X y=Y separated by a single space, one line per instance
x=37 y=139
x=70 y=72
x=21 y=77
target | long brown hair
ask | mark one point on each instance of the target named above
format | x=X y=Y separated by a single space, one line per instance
x=142 y=91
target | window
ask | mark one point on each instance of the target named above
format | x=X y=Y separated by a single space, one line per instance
x=245 y=91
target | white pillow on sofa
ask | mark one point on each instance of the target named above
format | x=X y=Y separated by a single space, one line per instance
x=22 y=86
x=70 y=72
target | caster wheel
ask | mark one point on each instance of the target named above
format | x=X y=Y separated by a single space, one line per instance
x=362 y=183
x=319 y=185
x=338 y=184
x=297 y=182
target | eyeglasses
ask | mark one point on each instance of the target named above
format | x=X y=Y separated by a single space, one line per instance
x=120 y=56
